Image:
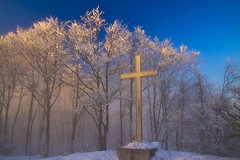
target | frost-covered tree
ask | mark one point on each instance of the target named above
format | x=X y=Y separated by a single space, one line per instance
x=229 y=108
x=172 y=64
x=26 y=76
x=202 y=112
x=7 y=86
x=98 y=60
x=43 y=48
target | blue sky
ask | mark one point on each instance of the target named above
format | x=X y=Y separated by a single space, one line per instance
x=211 y=27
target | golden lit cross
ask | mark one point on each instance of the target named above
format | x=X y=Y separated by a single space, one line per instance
x=138 y=74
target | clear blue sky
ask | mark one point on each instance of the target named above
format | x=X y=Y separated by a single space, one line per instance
x=211 y=27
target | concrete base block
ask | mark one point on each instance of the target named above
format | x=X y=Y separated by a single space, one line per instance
x=135 y=154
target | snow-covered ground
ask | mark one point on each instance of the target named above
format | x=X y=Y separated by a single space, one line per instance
x=111 y=155
x=174 y=155
x=105 y=155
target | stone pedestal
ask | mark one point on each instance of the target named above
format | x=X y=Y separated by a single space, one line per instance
x=135 y=154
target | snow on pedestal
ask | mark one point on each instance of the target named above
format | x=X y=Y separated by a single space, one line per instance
x=143 y=145
x=138 y=151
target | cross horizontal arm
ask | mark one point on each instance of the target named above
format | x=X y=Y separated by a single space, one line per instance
x=128 y=75
x=141 y=74
x=149 y=73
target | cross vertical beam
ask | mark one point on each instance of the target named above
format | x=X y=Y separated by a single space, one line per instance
x=138 y=134
x=138 y=75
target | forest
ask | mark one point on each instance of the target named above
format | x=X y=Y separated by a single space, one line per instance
x=61 y=93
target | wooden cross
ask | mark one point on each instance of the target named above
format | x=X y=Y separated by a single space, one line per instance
x=138 y=74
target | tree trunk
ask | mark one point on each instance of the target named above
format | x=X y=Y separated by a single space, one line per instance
x=106 y=126
x=177 y=139
x=41 y=129
x=5 y=127
x=8 y=98
x=130 y=111
x=1 y=125
x=167 y=137
x=202 y=115
x=18 y=109
x=131 y=101
x=101 y=136
x=73 y=132
x=47 y=112
x=182 y=107
x=47 y=134
x=100 y=146
x=74 y=124
x=29 y=124
x=150 y=110
x=30 y=131
x=121 y=117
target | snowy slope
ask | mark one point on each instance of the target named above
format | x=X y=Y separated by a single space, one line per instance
x=173 y=155
x=111 y=155
x=105 y=155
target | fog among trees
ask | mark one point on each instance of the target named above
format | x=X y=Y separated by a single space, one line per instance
x=60 y=91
